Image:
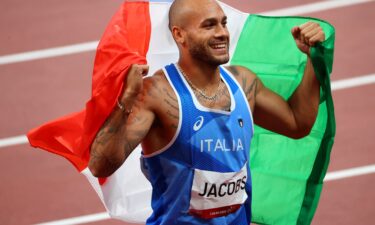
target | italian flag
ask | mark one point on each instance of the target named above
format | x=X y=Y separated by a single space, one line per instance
x=287 y=174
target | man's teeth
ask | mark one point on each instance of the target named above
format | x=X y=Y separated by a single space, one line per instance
x=218 y=46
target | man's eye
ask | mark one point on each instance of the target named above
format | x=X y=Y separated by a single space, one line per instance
x=208 y=25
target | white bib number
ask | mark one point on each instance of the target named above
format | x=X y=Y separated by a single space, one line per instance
x=217 y=194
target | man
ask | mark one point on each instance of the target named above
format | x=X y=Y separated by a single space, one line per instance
x=194 y=120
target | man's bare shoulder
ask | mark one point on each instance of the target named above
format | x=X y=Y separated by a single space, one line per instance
x=156 y=82
x=247 y=79
x=155 y=87
x=240 y=71
x=243 y=75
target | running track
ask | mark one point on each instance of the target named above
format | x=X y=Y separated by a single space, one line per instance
x=38 y=187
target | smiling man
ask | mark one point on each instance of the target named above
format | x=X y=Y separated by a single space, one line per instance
x=195 y=118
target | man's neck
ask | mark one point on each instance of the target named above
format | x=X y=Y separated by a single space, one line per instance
x=202 y=75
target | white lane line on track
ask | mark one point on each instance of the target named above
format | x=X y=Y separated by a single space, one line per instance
x=352 y=172
x=17 y=140
x=79 y=219
x=336 y=85
x=353 y=82
x=337 y=175
x=91 y=46
x=48 y=53
x=314 y=7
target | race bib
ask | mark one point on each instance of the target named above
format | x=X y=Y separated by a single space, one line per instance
x=217 y=194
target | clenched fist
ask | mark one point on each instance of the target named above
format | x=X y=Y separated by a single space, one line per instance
x=134 y=81
x=307 y=35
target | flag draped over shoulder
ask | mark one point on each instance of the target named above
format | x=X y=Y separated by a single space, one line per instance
x=287 y=174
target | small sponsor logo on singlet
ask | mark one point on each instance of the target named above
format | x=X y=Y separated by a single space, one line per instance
x=198 y=125
x=240 y=122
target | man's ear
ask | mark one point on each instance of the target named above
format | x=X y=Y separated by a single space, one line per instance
x=178 y=35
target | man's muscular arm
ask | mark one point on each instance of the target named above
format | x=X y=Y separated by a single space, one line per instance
x=122 y=131
x=293 y=118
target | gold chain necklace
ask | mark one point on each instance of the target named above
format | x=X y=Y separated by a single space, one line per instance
x=201 y=92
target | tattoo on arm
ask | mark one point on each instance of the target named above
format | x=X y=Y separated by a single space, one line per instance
x=251 y=90
x=173 y=106
x=106 y=137
x=234 y=70
x=114 y=142
x=169 y=95
x=153 y=90
x=135 y=133
x=111 y=163
x=105 y=133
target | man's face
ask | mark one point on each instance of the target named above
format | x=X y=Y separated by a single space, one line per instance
x=208 y=36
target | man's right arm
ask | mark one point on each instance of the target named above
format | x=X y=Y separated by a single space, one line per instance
x=124 y=129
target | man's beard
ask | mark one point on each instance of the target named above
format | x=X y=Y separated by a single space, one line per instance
x=202 y=53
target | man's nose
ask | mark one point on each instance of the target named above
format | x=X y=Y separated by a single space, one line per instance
x=221 y=31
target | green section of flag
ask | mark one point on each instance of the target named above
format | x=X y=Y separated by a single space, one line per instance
x=287 y=174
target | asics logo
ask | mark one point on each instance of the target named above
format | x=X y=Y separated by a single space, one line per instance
x=198 y=125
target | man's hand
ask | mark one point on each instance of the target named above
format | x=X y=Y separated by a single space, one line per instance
x=134 y=81
x=307 y=35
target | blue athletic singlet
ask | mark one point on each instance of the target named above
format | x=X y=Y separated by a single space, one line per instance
x=202 y=176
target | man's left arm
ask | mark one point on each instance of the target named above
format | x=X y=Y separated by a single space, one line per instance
x=295 y=117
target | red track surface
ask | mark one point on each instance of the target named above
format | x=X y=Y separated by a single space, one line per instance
x=38 y=187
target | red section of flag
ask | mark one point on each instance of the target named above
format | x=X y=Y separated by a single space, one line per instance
x=125 y=42
x=216 y=212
